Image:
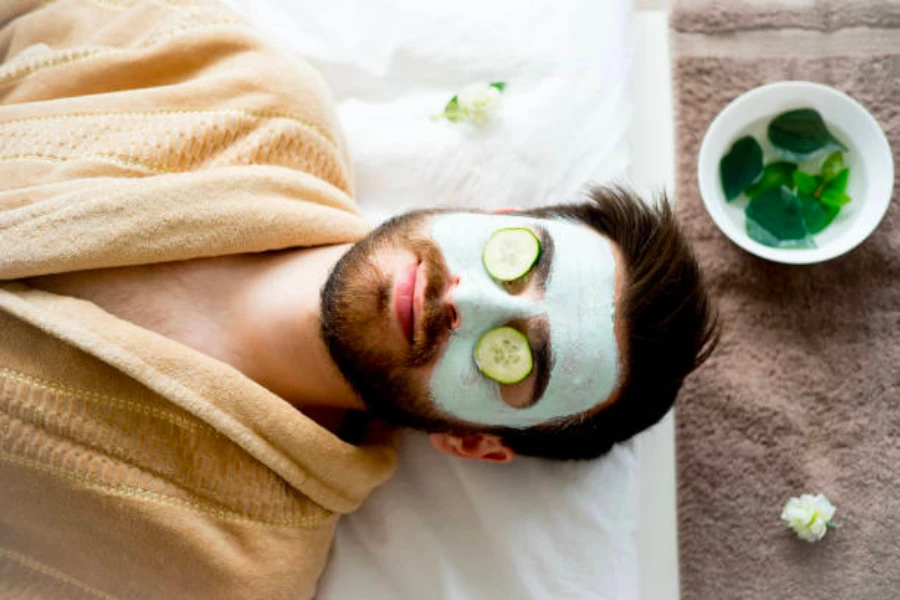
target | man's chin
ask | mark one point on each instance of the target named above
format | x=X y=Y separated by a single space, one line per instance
x=358 y=330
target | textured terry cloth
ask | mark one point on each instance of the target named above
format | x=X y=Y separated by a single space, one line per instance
x=803 y=394
x=132 y=466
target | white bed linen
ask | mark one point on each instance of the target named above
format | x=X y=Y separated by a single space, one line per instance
x=444 y=528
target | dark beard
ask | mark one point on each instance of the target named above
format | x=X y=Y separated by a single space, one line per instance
x=381 y=377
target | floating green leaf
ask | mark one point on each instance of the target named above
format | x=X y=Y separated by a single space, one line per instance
x=816 y=215
x=832 y=165
x=500 y=85
x=835 y=198
x=774 y=218
x=839 y=181
x=801 y=134
x=806 y=183
x=833 y=191
x=774 y=175
x=742 y=166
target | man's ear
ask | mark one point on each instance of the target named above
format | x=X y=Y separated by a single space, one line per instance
x=481 y=446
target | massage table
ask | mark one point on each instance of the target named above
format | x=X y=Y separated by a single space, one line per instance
x=588 y=100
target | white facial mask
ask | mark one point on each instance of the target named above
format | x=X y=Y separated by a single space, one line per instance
x=579 y=305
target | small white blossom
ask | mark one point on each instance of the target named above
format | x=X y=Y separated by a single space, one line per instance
x=474 y=103
x=809 y=516
x=478 y=97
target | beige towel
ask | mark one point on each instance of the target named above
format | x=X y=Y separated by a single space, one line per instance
x=136 y=132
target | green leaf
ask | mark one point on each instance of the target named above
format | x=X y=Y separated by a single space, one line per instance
x=801 y=134
x=838 y=182
x=805 y=183
x=452 y=111
x=741 y=167
x=833 y=192
x=500 y=85
x=832 y=165
x=835 y=198
x=774 y=218
x=816 y=215
x=774 y=175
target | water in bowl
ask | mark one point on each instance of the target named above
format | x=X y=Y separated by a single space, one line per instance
x=855 y=184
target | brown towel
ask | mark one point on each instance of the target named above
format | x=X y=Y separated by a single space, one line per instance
x=803 y=395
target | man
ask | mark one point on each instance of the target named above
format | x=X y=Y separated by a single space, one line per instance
x=613 y=310
x=201 y=340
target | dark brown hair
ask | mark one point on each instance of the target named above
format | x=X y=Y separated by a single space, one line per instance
x=670 y=322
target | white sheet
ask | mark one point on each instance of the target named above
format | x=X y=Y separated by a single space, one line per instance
x=443 y=527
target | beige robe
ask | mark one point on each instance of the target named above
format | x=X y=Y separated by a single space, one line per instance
x=131 y=466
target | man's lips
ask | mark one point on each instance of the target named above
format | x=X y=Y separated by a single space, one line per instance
x=404 y=299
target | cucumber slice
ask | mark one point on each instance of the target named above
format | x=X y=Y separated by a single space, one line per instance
x=511 y=253
x=504 y=355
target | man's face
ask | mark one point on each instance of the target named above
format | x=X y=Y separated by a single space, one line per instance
x=404 y=310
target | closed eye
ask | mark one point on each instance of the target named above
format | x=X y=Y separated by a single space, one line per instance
x=527 y=393
x=517 y=286
x=540 y=272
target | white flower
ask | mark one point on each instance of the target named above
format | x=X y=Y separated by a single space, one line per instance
x=809 y=516
x=478 y=97
x=474 y=102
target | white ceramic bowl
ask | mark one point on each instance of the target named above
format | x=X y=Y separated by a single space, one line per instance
x=869 y=158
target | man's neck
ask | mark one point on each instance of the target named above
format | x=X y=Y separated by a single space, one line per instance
x=279 y=329
x=258 y=313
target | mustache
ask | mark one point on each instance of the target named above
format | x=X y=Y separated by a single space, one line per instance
x=435 y=318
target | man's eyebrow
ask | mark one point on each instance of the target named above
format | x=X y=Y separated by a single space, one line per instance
x=542 y=269
x=541 y=349
x=543 y=358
